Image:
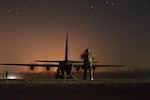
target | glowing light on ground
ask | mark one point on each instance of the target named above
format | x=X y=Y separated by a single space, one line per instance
x=13 y=77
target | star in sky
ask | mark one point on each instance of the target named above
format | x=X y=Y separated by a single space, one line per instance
x=111 y=28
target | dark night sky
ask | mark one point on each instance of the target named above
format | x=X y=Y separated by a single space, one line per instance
x=116 y=31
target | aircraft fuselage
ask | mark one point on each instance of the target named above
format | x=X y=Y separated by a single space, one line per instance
x=64 y=70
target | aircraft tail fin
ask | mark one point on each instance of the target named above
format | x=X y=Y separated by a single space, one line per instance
x=66 y=51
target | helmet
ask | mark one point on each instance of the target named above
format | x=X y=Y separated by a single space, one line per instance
x=87 y=50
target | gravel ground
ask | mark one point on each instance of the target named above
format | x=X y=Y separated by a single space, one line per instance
x=74 y=89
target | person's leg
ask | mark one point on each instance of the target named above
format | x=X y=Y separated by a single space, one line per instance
x=62 y=73
x=85 y=74
x=91 y=73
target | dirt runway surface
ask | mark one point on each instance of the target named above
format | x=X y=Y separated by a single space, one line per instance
x=75 y=89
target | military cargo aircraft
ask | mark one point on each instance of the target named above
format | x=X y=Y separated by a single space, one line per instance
x=64 y=67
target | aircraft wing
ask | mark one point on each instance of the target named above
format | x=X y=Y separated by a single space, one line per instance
x=78 y=66
x=47 y=66
x=108 y=65
x=42 y=65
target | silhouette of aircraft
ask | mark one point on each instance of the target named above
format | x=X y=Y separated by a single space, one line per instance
x=64 y=67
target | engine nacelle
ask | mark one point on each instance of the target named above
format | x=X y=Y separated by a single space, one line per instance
x=32 y=67
x=47 y=68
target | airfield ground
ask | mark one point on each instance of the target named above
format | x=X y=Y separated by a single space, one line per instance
x=75 y=89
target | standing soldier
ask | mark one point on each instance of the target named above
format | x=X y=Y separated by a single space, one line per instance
x=6 y=75
x=88 y=58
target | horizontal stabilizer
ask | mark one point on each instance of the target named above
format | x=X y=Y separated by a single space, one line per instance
x=58 y=61
x=82 y=61
x=55 y=61
x=95 y=65
x=76 y=61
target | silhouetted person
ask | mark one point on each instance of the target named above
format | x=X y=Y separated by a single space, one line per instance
x=6 y=75
x=58 y=73
x=3 y=76
x=73 y=76
x=88 y=58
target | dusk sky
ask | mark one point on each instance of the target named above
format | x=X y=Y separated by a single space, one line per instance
x=116 y=31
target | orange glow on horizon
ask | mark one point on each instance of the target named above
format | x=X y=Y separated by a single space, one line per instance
x=43 y=48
